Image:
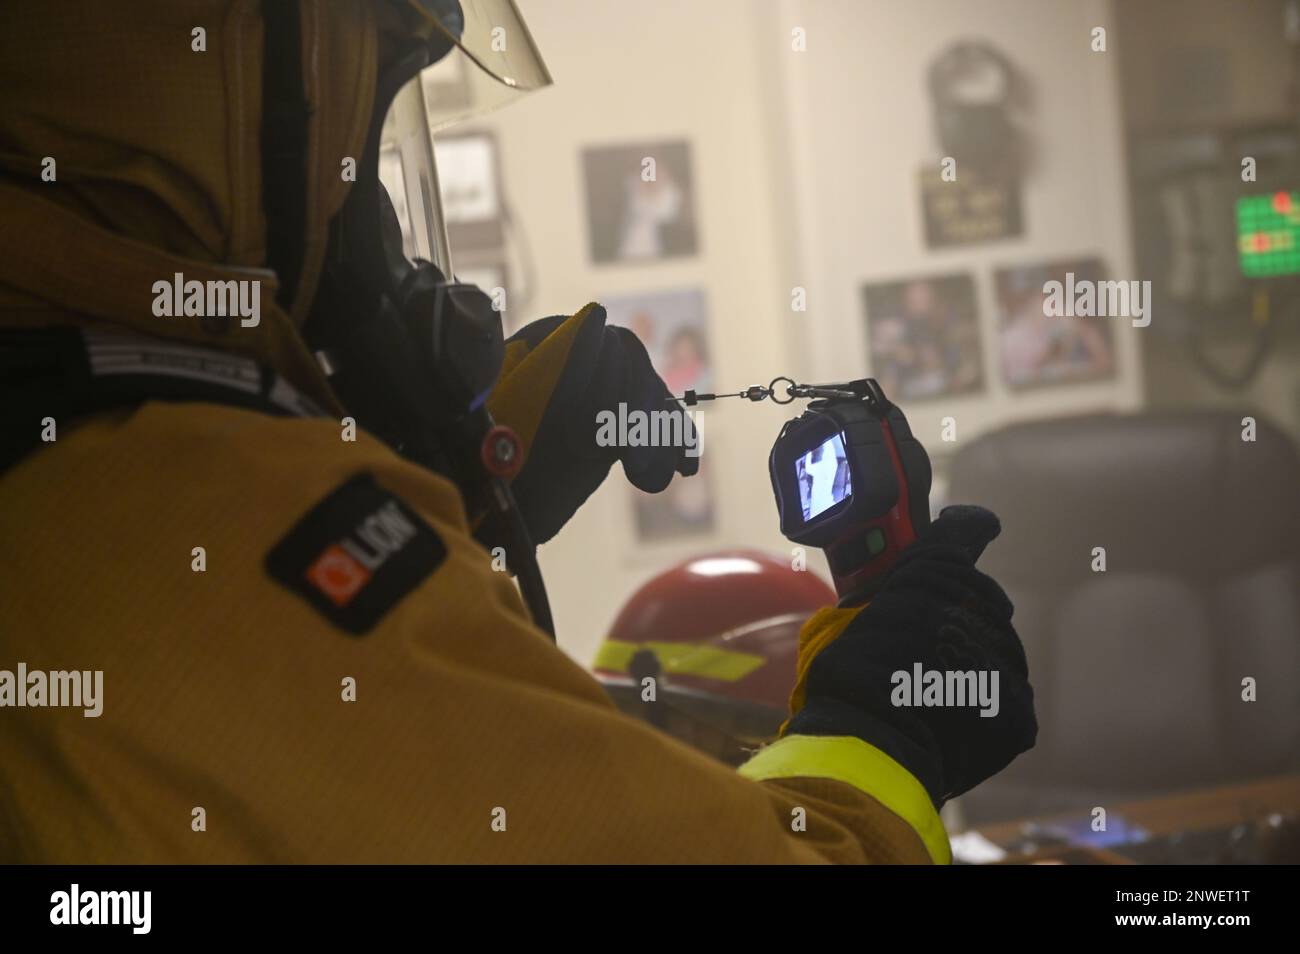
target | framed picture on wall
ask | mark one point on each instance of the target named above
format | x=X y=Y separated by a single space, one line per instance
x=1036 y=349
x=673 y=326
x=469 y=178
x=684 y=509
x=640 y=201
x=924 y=336
x=967 y=211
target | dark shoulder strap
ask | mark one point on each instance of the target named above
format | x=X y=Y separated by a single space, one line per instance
x=61 y=374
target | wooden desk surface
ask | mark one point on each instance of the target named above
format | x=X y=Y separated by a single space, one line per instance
x=1188 y=811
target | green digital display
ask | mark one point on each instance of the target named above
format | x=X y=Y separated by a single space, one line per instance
x=1268 y=234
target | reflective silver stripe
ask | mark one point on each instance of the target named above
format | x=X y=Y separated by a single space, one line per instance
x=136 y=356
x=110 y=354
x=285 y=395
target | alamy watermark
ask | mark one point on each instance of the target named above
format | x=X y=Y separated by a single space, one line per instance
x=233 y=298
x=671 y=427
x=130 y=908
x=1086 y=298
x=927 y=688
x=37 y=688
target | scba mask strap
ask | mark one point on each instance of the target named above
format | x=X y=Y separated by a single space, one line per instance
x=411 y=353
x=416 y=368
x=52 y=376
x=414 y=354
x=457 y=330
x=382 y=327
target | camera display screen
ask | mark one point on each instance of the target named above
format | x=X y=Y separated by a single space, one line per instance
x=823 y=477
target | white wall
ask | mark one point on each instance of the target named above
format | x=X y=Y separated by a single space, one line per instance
x=804 y=168
x=861 y=123
x=632 y=72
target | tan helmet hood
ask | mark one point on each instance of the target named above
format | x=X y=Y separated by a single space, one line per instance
x=157 y=162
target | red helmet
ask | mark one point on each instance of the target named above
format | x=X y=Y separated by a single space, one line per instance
x=720 y=634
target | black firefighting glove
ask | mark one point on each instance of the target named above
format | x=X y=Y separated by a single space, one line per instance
x=559 y=374
x=935 y=610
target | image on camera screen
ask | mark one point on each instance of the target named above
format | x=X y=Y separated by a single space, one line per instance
x=823 y=475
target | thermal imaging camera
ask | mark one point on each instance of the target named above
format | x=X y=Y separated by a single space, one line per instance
x=851 y=480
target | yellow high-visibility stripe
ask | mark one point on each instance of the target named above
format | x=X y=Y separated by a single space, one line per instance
x=687 y=659
x=850 y=760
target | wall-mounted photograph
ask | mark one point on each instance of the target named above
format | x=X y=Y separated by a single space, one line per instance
x=640 y=201
x=974 y=208
x=469 y=178
x=673 y=326
x=684 y=509
x=1037 y=349
x=924 y=337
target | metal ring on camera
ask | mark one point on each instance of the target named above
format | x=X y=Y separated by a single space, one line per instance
x=788 y=395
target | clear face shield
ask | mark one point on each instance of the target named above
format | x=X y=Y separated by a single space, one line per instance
x=494 y=61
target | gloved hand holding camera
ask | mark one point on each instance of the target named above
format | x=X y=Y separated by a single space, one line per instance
x=559 y=374
x=935 y=609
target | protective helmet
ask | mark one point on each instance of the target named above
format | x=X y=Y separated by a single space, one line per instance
x=480 y=56
x=719 y=636
x=252 y=144
x=257 y=154
x=410 y=350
